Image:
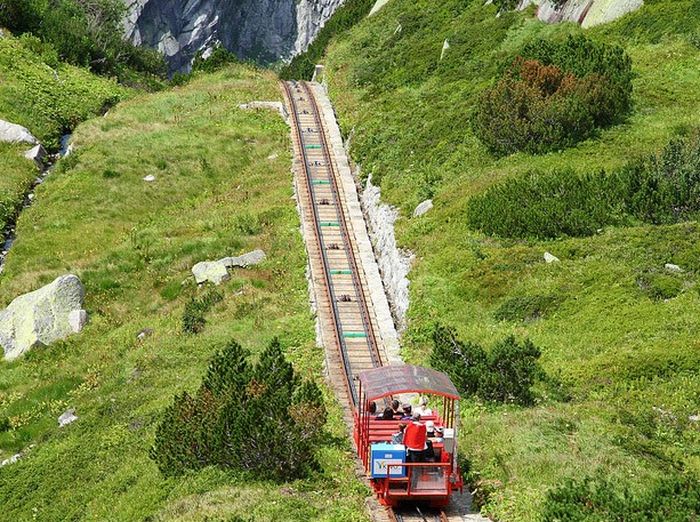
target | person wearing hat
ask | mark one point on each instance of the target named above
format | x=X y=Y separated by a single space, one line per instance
x=407 y=413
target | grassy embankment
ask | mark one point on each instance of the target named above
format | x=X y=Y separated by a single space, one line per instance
x=222 y=187
x=47 y=99
x=628 y=363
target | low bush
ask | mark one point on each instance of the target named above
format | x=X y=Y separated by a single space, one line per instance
x=262 y=419
x=661 y=189
x=505 y=374
x=673 y=498
x=659 y=285
x=193 y=319
x=526 y=307
x=553 y=96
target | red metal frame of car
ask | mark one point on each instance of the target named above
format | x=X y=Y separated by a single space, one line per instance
x=428 y=482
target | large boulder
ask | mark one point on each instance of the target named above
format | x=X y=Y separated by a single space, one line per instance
x=43 y=316
x=217 y=271
x=13 y=133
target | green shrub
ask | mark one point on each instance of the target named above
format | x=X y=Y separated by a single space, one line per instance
x=526 y=307
x=505 y=374
x=219 y=57
x=553 y=96
x=193 y=319
x=259 y=419
x=659 y=285
x=674 y=498
x=543 y=206
x=661 y=189
x=347 y=15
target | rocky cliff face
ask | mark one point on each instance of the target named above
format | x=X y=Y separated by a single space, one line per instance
x=585 y=12
x=260 y=30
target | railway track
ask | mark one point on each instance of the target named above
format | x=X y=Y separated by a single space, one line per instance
x=332 y=250
x=348 y=326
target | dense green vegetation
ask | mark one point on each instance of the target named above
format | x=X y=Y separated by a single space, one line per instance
x=263 y=419
x=87 y=33
x=504 y=374
x=222 y=187
x=302 y=66
x=553 y=95
x=660 y=189
x=617 y=330
x=54 y=96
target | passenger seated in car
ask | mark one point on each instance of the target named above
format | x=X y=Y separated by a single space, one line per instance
x=407 y=414
x=387 y=414
x=397 y=438
x=372 y=408
x=395 y=406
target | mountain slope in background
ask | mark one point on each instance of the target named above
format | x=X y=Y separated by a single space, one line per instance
x=260 y=30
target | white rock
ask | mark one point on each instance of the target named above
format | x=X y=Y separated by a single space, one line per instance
x=77 y=320
x=149 y=178
x=272 y=156
x=694 y=418
x=67 y=417
x=445 y=47
x=549 y=258
x=423 y=208
x=673 y=268
x=13 y=133
x=212 y=271
x=14 y=458
x=36 y=154
x=217 y=271
x=40 y=317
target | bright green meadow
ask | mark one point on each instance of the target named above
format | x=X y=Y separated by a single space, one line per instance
x=619 y=333
x=222 y=187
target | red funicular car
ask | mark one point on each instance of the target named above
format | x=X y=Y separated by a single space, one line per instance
x=394 y=479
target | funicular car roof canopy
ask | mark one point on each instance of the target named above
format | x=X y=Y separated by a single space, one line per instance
x=404 y=378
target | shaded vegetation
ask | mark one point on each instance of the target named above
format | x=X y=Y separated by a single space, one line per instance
x=260 y=419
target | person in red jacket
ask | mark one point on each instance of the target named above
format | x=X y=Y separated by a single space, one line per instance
x=414 y=438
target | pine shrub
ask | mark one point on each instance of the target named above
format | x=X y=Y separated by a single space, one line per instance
x=553 y=96
x=260 y=419
x=663 y=188
x=193 y=317
x=505 y=374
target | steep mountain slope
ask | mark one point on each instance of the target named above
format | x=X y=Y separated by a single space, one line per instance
x=263 y=31
x=623 y=389
x=222 y=186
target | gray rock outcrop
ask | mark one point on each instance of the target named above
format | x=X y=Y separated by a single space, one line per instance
x=37 y=154
x=43 y=316
x=217 y=271
x=260 y=30
x=422 y=208
x=587 y=13
x=67 y=417
x=13 y=133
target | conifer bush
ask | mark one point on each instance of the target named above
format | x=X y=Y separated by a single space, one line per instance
x=505 y=374
x=554 y=95
x=261 y=419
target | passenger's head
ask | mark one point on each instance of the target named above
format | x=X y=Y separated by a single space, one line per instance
x=423 y=401
x=395 y=405
x=388 y=414
x=407 y=409
x=402 y=426
x=416 y=417
x=373 y=407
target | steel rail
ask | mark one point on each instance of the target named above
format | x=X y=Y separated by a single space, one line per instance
x=350 y=251
x=338 y=330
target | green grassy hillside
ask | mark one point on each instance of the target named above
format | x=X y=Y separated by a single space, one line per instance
x=626 y=364
x=223 y=187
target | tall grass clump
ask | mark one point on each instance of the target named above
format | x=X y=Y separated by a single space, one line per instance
x=262 y=419
x=663 y=188
x=554 y=95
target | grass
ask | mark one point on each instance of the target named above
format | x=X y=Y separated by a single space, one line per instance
x=626 y=359
x=133 y=243
x=18 y=175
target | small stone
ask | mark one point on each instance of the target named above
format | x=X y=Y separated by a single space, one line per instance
x=30 y=196
x=36 y=154
x=550 y=258
x=272 y=156
x=77 y=320
x=146 y=332
x=14 y=458
x=694 y=418
x=212 y=271
x=673 y=268
x=67 y=417
x=150 y=178
x=424 y=207
x=251 y=258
